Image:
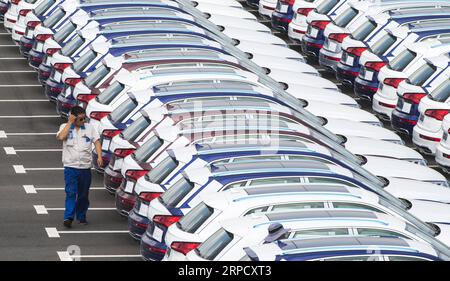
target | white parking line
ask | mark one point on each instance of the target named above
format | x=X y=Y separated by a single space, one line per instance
x=4 y=135
x=42 y=210
x=28 y=116
x=36 y=100
x=17 y=58
x=12 y=151
x=65 y=256
x=31 y=189
x=9 y=150
x=12 y=45
x=20 y=169
x=26 y=85
x=52 y=232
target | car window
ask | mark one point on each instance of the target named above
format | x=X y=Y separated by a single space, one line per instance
x=72 y=46
x=43 y=7
x=108 y=95
x=299 y=206
x=373 y=232
x=214 y=244
x=383 y=44
x=147 y=149
x=269 y=181
x=406 y=258
x=355 y=258
x=257 y=210
x=65 y=31
x=162 y=170
x=345 y=17
x=422 y=74
x=83 y=61
x=324 y=180
x=309 y=158
x=195 y=218
x=96 y=76
x=176 y=193
x=321 y=232
x=349 y=205
x=401 y=61
x=135 y=129
x=54 y=18
x=364 y=30
x=122 y=111
x=326 y=6
x=442 y=92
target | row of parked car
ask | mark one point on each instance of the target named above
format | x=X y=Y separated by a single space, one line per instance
x=394 y=54
x=221 y=143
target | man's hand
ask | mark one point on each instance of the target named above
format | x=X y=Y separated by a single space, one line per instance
x=98 y=149
x=72 y=118
x=100 y=161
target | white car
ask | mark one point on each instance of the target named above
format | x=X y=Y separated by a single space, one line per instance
x=398 y=69
x=204 y=219
x=15 y=7
x=297 y=27
x=432 y=108
x=443 y=148
x=266 y=7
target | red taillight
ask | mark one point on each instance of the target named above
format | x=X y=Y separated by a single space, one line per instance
x=15 y=2
x=393 y=82
x=122 y=153
x=61 y=66
x=24 y=12
x=320 y=24
x=72 y=81
x=43 y=37
x=268 y=8
x=110 y=133
x=338 y=37
x=288 y=2
x=411 y=122
x=437 y=114
x=85 y=97
x=148 y=196
x=414 y=97
x=429 y=138
x=304 y=11
x=98 y=115
x=387 y=104
x=184 y=247
x=375 y=66
x=19 y=32
x=135 y=174
x=156 y=250
x=166 y=220
x=356 y=51
x=51 y=51
x=33 y=24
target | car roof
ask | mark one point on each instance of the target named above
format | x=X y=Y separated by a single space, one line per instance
x=297 y=188
x=230 y=168
x=174 y=52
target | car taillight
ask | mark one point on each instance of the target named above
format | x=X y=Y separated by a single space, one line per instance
x=51 y=51
x=136 y=174
x=393 y=82
x=437 y=114
x=166 y=220
x=85 y=97
x=288 y=2
x=24 y=12
x=356 y=51
x=61 y=66
x=149 y=196
x=122 y=153
x=320 y=24
x=304 y=11
x=338 y=37
x=414 y=97
x=429 y=138
x=110 y=133
x=43 y=37
x=33 y=24
x=386 y=104
x=375 y=65
x=98 y=115
x=72 y=81
x=184 y=247
x=15 y=2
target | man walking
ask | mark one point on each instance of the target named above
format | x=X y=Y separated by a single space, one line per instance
x=78 y=137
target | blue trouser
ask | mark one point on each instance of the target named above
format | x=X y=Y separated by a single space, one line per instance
x=77 y=182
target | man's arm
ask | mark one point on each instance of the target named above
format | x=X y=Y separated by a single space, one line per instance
x=98 y=148
x=62 y=135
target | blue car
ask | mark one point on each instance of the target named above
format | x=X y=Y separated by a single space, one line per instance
x=365 y=85
x=346 y=72
x=283 y=15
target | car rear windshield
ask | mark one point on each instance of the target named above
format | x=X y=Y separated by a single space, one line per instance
x=346 y=17
x=80 y=64
x=214 y=244
x=54 y=18
x=43 y=7
x=122 y=111
x=135 y=129
x=108 y=95
x=401 y=61
x=326 y=6
x=96 y=76
x=72 y=46
x=65 y=31
x=162 y=170
x=176 y=193
x=364 y=30
x=195 y=218
x=147 y=149
x=383 y=44
x=422 y=74
x=442 y=92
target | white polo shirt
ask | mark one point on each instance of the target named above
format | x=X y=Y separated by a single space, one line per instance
x=77 y=148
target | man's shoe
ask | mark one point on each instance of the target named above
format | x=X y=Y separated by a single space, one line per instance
x=83 y=222
x=68 y=223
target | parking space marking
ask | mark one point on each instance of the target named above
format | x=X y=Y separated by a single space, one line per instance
x=9 y=150
x=28 y=116
x=19 y=169
x=12 y=151
x=42 y=210
x=29 y=189
x=4 y=135
x=65 y=256
x=53 y=232
x=36 y=100
x=26 y=85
